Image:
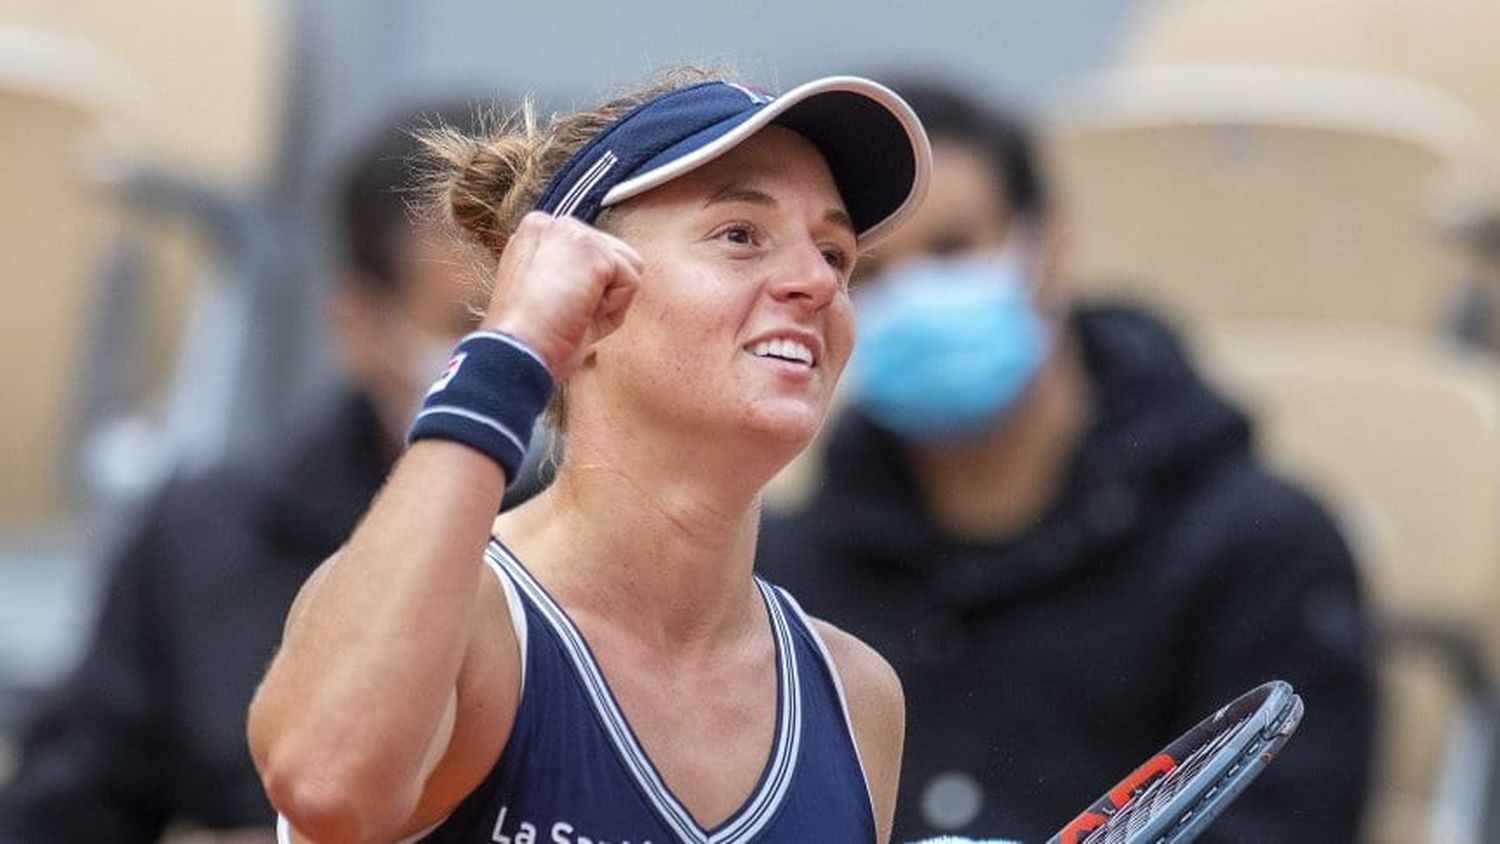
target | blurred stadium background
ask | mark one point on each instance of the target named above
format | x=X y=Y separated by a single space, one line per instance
x=1307 y=188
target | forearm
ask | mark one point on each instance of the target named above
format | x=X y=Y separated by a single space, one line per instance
x=356 y=697
x=358 y=707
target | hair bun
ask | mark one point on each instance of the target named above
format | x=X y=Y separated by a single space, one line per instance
x=484 y=184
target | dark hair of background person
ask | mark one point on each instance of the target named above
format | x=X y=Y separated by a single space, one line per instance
x=376 y=190
x=947 y=113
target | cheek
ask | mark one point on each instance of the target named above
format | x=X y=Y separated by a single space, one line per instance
x=691 y=307
x=674 y=332
x=841 y=333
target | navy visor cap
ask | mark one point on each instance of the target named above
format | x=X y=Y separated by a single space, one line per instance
x=872 y=140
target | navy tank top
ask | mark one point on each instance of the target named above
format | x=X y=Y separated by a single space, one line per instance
x=573 y=771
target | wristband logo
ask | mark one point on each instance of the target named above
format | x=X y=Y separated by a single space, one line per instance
x=449 y=371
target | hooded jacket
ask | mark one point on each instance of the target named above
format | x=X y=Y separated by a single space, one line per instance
x=1171 y=573
x=149 y=730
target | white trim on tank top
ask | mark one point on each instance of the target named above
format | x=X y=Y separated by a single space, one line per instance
x=760 y=808
x=838 y=685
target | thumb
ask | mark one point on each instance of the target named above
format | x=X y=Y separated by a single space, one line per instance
x=616 y=297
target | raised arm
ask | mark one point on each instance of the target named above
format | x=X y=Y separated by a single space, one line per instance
x=360 y=729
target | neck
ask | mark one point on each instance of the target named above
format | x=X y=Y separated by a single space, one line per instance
x=657 y=542
x=995 y=485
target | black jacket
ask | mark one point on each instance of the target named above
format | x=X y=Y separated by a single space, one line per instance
x=150 y=729
x=1172 y=574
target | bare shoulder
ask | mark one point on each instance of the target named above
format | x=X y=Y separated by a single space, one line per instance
x=865 y=674
x=877 y=712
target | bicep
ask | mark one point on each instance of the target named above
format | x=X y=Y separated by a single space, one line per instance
x=478 y=716
x=479 y=711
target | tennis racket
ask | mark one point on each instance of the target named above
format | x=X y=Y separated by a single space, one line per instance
x=1173 y=796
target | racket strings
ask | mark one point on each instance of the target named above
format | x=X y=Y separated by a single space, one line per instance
x=1149 y=802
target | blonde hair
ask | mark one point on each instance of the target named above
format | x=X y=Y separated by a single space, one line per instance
x=483 y=184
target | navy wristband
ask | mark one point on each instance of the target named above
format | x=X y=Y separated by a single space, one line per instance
x=488 y=397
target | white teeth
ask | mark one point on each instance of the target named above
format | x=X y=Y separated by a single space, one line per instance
x=783 y=348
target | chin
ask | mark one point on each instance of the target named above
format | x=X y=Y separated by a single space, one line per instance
x=787 y=427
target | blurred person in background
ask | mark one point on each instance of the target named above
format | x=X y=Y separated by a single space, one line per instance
x=1058 y=534
x=148 y=734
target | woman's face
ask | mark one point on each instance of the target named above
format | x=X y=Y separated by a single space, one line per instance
x=742 y=320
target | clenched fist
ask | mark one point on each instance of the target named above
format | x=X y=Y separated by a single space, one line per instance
x=561 y=285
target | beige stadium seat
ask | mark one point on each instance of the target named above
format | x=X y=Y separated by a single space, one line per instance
x=213 y=78
x=1447 y=44
x=1329 y=33
x=1401 y=436
x=61 y=104
x=214 y=73
x=203 y=87
x=1263 y=193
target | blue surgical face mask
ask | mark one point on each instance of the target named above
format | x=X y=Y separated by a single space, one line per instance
x=946 y=345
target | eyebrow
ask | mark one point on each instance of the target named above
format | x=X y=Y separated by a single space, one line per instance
x=740 y=193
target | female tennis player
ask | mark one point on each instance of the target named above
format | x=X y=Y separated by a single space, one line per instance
x=601 y=664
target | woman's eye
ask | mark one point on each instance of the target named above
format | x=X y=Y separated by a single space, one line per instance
x=837 y=258
x=739 y=234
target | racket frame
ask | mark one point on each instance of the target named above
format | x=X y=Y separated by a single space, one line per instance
x=1249 y=731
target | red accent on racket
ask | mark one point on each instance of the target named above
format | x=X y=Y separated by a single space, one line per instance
x=1175 y=795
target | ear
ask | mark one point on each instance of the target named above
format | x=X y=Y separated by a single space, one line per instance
x=609 y=315
x=591 y=344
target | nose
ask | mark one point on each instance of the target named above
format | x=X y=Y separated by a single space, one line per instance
x=806 y=278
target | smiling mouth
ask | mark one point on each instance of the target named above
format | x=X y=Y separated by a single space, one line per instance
x=782 y=348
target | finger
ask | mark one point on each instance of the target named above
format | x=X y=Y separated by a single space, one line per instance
x=626 y=252
x=615 y=301
x=521 y=248
x=618 y=295
x=624 y=264
x=609 y=241
x=620 y=290
x=539 y=220
x=534 y=225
